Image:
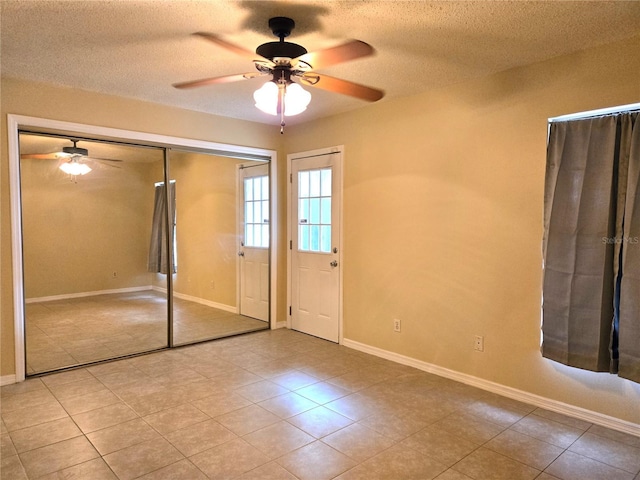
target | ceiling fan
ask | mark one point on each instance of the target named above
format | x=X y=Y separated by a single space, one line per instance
x=289 y=65
x=73 y=159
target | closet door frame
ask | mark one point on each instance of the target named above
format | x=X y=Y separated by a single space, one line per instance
x=17 y=122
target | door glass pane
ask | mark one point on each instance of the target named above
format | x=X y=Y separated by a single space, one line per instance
x=256 y=211
x=315 y=238
x=303 y=240
x=303 y=184
x=325 y=238
x=314 y=210
x=314 y=186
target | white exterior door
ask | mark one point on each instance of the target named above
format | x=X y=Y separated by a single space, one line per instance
x=254 y=242
x=315 y=201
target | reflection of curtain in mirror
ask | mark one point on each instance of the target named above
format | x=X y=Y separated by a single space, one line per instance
x=158 y=254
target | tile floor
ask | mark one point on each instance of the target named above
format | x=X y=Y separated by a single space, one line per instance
x=283 y=405
x=78 y=331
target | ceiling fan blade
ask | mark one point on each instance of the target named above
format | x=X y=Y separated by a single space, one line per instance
x=44 y=156
x=103 y=159
x=211 y=81
x=331 y=56
x=232 y=47
x=332 y=84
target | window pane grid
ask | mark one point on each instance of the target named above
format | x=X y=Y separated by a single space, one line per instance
x=256 y=212
x=314 y=210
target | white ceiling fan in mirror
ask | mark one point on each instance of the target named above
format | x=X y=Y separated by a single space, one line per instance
x=74 y=160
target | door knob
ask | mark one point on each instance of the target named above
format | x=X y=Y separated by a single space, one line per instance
x=334 y=263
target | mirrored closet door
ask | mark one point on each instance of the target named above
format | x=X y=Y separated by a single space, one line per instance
x=116 y=264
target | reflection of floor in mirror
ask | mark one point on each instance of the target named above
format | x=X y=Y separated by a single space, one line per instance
x=63 y=333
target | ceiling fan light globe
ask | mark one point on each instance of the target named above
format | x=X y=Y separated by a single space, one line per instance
x=266 y=98
x=75 y=168
x=296 y=100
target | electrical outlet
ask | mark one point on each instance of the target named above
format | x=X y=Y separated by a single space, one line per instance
x=478 y=343
x=396 y=325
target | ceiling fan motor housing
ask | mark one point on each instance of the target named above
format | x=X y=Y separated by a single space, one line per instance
x=281 y=28
x=76 y=151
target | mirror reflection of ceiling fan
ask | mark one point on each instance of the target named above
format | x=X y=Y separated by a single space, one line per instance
x=289 y=65
x=73 y=160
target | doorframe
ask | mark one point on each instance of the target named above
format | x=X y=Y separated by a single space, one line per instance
x=339 y=149
x=17 y=122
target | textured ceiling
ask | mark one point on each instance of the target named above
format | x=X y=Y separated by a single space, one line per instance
x=138 y=49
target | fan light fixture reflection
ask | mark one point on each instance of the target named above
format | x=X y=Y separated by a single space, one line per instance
x=73 y=167
x=294 y=100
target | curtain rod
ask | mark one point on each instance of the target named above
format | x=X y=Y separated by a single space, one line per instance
x=632 y=107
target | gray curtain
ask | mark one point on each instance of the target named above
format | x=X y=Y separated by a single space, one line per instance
x=591 y=263
x=158 y=252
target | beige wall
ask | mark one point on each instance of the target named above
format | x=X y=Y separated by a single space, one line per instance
x=78 y=234
x=443 y=196
x=65 y=104
x=442 y=211
x=207 y=226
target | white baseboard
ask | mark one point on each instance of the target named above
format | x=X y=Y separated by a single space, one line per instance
x=526 y=397
x=282 y=324
x=7 y=380
x=208 y=303
x=67 y=296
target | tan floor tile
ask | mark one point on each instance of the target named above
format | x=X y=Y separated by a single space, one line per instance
x=278 y=439
x=396 y=427
x=247 y=419
x=395 y=463
x=221 y=403
x=605 y=450
x=11 y=468
x=563 y=419
x=73 y=389
x=502 y=415
x=95 y=469
x=28 y=385
x=323 y=392
x=27 y=417
x=182 y=470
x=89 y=401
x=547 y=430
x=104 y=417
x=571 y=466
x=358 y=442
x=44 y=434
x=166 y=421
x=28 y=399
x=621 y=437
x=142 y=458
x=525 y=449
x=440 y=445
x=229 y=460
x=320 y=421
x=470 y=428
x=268 y=471
x=259 y=391
x=57 y=456
x=7 y=448
x=199 y=437
x=123 y=435
x=355 y=406
x=316 y=461
x=155 y=402
x=66 y=377
x=453 y=475
x=295 y=380
x=483 y=464
x=288 y=405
